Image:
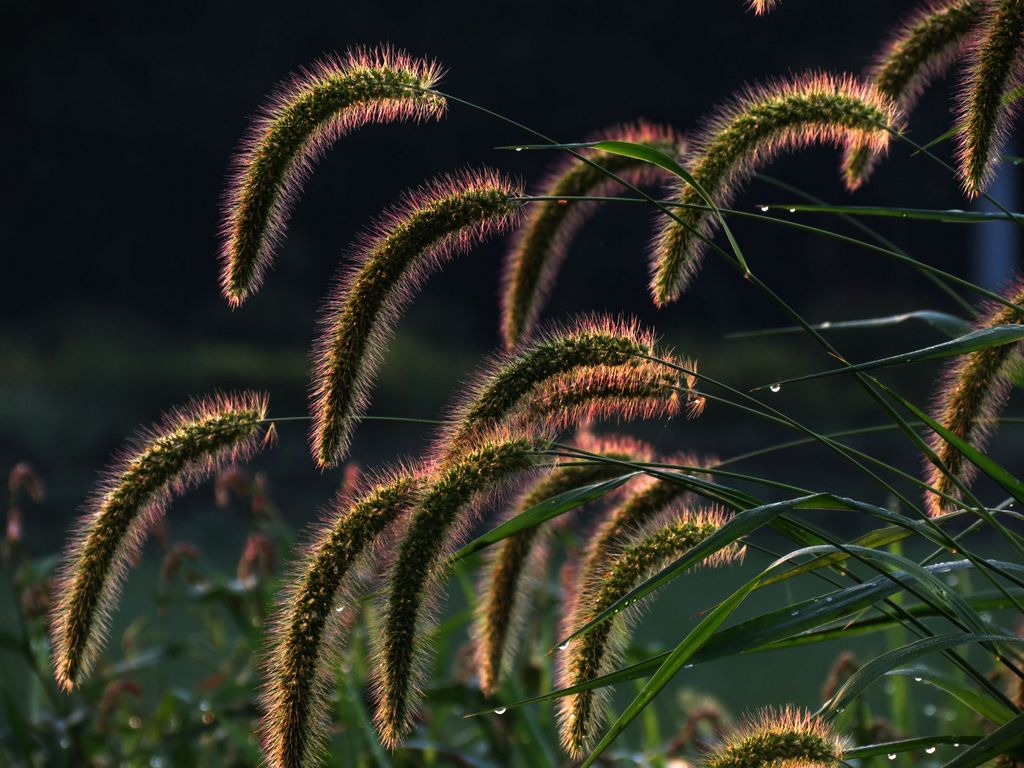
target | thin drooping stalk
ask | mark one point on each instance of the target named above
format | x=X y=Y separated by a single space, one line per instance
x=190 y=445
x=294 y=130
x=428 y=227
x=600 y=651
x=995 y=65
x=973 y=392
x=315 y=608
x=540 y=245
x=513 y=567
x=749 y=132
x=921 y=49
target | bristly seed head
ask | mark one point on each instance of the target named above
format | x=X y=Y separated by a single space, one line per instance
x=449 y=504
x=748 y=133
x=444 y=218
x=761 y=7
x=293 y=131
x=600 y=650
x=514 y=566
x=304 y=640
x=974 y=391
x=539 y=247
x=995 y=66
x=512 y=379
x=921 y=49
x=190 y=445
x=771 y=738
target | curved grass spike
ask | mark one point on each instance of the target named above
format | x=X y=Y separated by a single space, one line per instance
x=191 y=444
x=512 y=567
x=429 y=226
x=294 y=130
x=448 y=505
x=922 y=48
x=599 y=651
x=656 y=497
x=773 y=738
x=746 y=134
x=539 y=247
x=304 y=639
x=601 y=393
x=512 y=377
x=974 y=391
x=995 y=65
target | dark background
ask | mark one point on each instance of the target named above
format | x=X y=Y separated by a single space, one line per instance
x=122 y=119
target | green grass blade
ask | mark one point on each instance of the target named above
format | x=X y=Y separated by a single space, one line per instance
x=950 y=325
x=994 y=711
x=1002 y=740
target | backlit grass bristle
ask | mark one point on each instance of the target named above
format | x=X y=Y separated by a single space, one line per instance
x=746 y=134
x=319 y=105
x=513 y=567
x=512 y=378
x=974 y=391
x=600 y=650
x=597 y=393
x=995 y=66
x=429 y=226
x=314 y=610
x=450 y=503
x=190 y=445
x=774 y=738
x=921 y=49
x=539 y=246
x=761 y=7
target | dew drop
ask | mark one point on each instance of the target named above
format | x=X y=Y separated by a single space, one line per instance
x=828 y=599
x=688 y=666
x=563 y=646
x=500 y=711
x=775 y=387
x=764 y=209
x=956 y=743
x=339 y=609
x=519 y=149
x=917 y=679
x=792 y=210
x=563 y=202
x=930 y=751
x=794 y=613
x=891 y=755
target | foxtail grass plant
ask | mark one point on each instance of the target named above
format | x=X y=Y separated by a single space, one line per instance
x=315 y=108
x=641 y=514
x=190 y=445
x=539 y=246
x=513 y=567
x=973 y=392
x=773 y=738
x=746 y=134
x=600 y=651
x=428 y=227
x=316 y=607
x=921 y=49
x=995 y=66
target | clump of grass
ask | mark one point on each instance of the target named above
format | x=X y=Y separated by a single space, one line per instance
x=771 y=738
x=513 y=567
x=974 y=391
x=513 y=378
x=747 y=133
x=450 y=502
x=600 y=650
x=429 y=226
x=291 y=133
x=540 y=245
x=922 y=48
x=314 y=610
x=995 y=65
x=190 y=445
